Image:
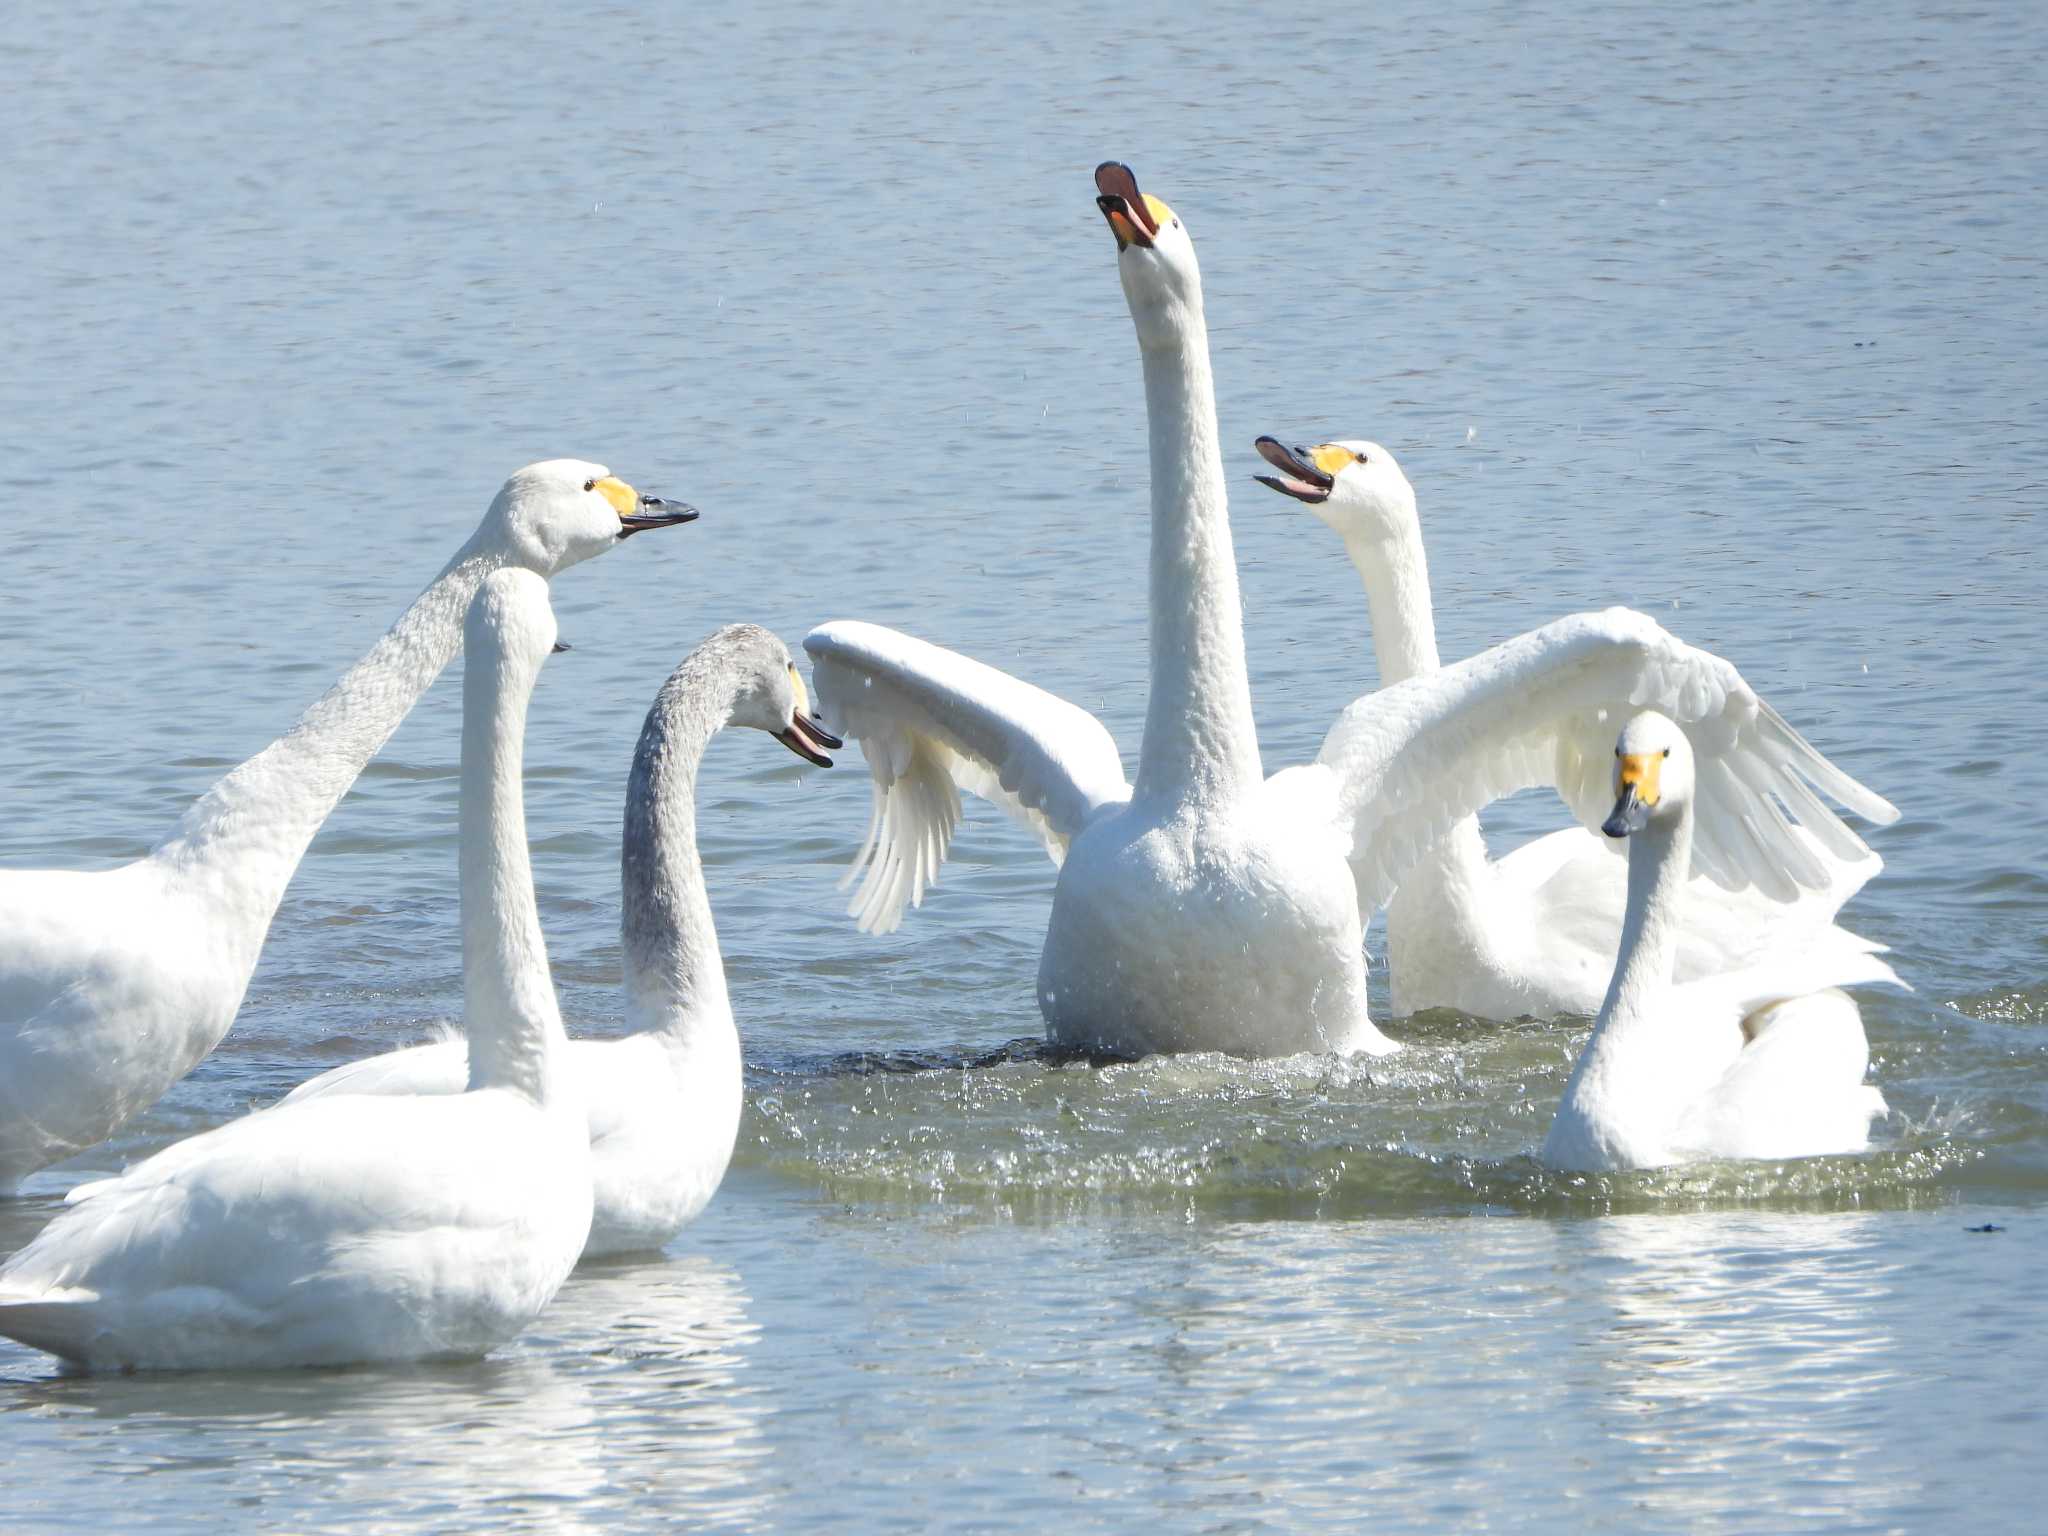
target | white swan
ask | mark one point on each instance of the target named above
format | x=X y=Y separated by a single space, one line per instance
x=1207 y=907
x=359 y=1229
x=115 y=983
x=1766 y=1062
x=664 y=1101
x=1532 y=933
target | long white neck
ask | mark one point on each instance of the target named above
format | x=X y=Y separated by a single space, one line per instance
x=675 y=979
x=1397 y=601
x=509 y=1009
x=1440 y=901
x=1201 y=746
x=1658 y=858
x=241 y=841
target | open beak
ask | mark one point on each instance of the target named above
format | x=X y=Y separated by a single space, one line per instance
x=1300 y=476
x=1130 y=218
x=654 y=512
x=809 y=740
x=1630 y=814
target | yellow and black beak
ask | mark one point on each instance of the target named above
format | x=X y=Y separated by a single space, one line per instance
x=1635 y=776
x=1306 y=474
x=806 y=735
x=1129 y=213
x=637 y=512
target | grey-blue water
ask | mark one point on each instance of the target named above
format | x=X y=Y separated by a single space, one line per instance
x=1733 y=313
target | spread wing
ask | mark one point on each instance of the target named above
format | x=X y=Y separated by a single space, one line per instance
x=931 y=723
x=1545 y=708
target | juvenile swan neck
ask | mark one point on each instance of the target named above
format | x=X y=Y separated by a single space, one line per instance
x=675 y=979
x=1397 y=602
x=1200 y=743
x=242 y=839
x=508 y=997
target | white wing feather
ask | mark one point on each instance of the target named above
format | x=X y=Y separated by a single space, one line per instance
x=931 y=723
x=1544 y=708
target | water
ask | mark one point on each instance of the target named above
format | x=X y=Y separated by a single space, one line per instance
x=1735 y=317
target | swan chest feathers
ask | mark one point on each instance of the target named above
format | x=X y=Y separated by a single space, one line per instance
x=1209 y=929
x=109 y=993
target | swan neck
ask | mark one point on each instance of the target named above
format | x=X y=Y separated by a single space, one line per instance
x=674 y=977
x=1397 y=601
x=1658 y=858
x=1200 y=742
x=242 y=840
x=509 y=1009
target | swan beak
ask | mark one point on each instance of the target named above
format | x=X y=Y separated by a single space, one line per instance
x=1301 y=476
x=808 y=739
x=1637 y=774
x=655 y=512
x=1630 y=814
x=1130 y=216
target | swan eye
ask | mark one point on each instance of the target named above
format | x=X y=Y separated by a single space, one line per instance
x=1667 y=751
x=1361 y=458
x=590 y=485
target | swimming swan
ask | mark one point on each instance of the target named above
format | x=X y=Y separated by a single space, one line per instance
x=1207 y=907
x=116 y=983
x=664 y=1101
x=1532 y=933
x=360 y=1229
x=1767 y=1062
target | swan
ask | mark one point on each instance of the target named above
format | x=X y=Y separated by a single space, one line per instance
x=1532 y=934
x=664 y=1100
x=1205 y=906
x=360 y=1229
x=1765 y=1062
x=116 y=983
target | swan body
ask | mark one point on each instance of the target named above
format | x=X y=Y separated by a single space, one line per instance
x=664 y=1101
x=1205 y=906
x=116 y=983
x=359 y=1229
x=1765 y=1062
x=1533 y=933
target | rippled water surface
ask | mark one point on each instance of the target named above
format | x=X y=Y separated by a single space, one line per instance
x=1735 y=316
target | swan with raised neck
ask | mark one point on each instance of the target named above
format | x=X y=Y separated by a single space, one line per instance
x=663 y=1102
x=114 y=984
x=1208 y=913
x=360 y=1230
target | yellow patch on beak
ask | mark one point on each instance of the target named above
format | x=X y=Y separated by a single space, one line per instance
x=803 y=698
x=1162 y=215
x=624 y=499
x=1641 y=769
x=1330 y=458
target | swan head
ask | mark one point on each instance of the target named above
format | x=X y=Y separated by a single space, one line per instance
x=551 y=515
x=1653 y=774
x=1155 y=258
x=510 y=621
x=1353 y=485
x=765 y=689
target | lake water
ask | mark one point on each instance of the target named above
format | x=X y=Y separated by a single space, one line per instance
x=1735 y=315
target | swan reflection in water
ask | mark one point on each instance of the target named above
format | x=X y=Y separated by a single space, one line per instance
x=1757 y=1351
x=638 y=1384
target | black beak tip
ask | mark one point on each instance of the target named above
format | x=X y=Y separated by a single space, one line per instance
x=561 y=646
x=1615 y=826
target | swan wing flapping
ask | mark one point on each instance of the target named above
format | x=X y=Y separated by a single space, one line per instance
x=931 y=723
x=1413 y=759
